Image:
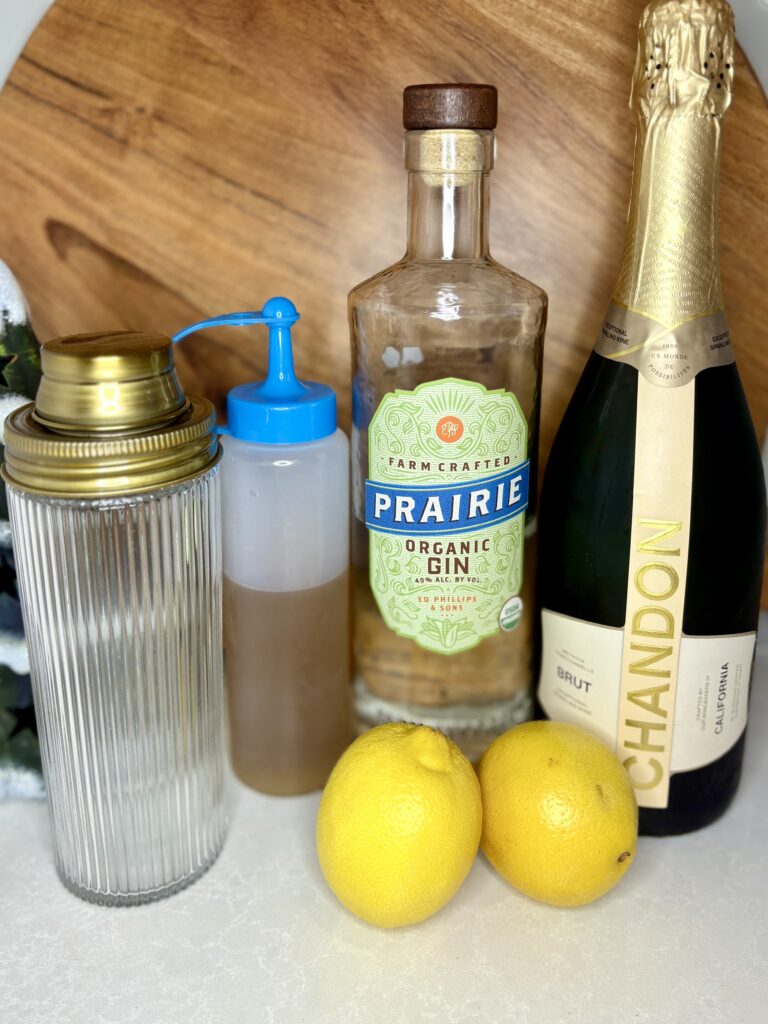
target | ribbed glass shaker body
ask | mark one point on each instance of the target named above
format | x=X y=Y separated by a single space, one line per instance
x=122 y=608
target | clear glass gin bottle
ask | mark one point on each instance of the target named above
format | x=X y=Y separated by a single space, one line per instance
x=446 y=351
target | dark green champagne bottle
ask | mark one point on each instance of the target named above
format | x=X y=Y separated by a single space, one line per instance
x=653 y=509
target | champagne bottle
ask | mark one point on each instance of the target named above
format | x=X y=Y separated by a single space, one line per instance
x=653 y=504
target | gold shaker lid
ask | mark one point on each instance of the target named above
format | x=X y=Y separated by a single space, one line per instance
x=110 y=419
x=98 y=383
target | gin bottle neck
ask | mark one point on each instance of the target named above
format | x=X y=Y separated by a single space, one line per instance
x=447 y=221
x=448 y=194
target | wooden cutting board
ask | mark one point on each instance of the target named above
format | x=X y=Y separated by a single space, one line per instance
x=161 y=162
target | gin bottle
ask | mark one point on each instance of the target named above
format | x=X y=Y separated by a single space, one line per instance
x=446 y=350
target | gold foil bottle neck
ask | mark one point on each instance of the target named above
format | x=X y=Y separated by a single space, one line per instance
x=110 y=419
x=684 y=59
x=670 y=271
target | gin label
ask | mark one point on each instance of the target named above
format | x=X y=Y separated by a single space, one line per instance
x=445 y=506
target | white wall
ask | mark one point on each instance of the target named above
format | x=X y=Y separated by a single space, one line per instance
x=18 y=19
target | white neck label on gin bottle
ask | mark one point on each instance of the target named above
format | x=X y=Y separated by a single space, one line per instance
x=445 y=507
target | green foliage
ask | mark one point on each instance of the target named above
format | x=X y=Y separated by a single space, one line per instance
x=7 y=725
x=22 y=749
x=19 y=358
x=18 y=743
x=19 y=370
x=14 y=690
x=19 y=375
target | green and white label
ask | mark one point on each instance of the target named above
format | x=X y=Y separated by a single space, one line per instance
x=445 y=503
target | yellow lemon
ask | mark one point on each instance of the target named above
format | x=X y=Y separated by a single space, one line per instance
x=399 y=824
x=560 y=816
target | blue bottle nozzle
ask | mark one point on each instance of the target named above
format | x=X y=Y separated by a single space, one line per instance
x=280 y=409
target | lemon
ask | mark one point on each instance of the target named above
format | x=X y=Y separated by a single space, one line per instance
x=560 y=817
x=399 y=824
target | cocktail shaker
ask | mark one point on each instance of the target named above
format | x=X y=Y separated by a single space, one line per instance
x=113 y=489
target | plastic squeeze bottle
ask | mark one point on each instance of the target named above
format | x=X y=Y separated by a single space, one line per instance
x=285 y=493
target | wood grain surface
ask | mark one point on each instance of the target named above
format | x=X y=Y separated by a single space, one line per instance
x=161 y=162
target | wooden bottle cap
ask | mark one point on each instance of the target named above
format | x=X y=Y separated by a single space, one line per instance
x=450 y=106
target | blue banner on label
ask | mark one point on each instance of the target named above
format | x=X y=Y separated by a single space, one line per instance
x=450 y=508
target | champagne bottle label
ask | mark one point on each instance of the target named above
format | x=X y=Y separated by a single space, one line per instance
x=658 y=567
x=582 y=661
x=668 y=357
x=651 y=709
x=444 y=507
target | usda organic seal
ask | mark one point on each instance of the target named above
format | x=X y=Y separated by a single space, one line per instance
x=510 y=614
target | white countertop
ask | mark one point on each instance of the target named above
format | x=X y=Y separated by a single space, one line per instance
x=261 y=940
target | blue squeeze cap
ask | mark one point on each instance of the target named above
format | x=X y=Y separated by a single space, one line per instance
x=281 y=409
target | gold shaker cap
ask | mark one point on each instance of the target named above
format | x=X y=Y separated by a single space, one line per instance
x=99 y=383
x=110 y=419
